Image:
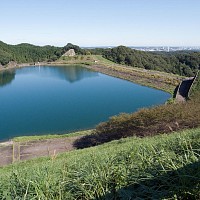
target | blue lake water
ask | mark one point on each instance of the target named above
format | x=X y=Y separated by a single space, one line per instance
x=60 y=99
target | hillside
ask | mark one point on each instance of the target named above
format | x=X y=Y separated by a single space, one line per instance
x=161 y=167
x=182 y=63
x=196 y=86
x=27 y=53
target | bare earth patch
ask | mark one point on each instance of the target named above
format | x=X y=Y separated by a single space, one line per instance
x=11 y=152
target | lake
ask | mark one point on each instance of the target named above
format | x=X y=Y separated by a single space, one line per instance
x=59 y=99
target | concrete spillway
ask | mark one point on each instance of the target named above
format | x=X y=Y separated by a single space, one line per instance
x=183 y=89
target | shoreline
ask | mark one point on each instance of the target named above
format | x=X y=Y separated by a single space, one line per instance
x=138 y=76
x=154 y=79
x=134 y=78
x=29 y=147
x=17 y=66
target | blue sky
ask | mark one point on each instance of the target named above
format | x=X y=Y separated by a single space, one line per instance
x=101 y=22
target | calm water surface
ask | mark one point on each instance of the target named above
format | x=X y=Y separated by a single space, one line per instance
x=50 y=99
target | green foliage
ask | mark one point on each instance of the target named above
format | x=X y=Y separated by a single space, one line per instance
x=182 y=63
x=45 y=137
x=76 y=48
x=161 y=167
x=26 y=53
x=4 y=57
x=96 y=51
x=146 y=122
x=196 y=86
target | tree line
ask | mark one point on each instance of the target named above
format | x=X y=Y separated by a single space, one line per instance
x=26 y=53
x=185 y=63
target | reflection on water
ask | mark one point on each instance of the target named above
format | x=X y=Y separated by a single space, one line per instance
x=6 y=77
x=60 y=99
x=71 y=73
x=68 y=73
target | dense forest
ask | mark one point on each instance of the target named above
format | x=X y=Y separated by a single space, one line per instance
x=24 y=53
x=184 y=63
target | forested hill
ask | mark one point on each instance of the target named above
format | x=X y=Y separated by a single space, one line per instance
x=23 y=53
x=183 y=63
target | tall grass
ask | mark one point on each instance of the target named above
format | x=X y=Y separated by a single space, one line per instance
x=196 y=85
x=160 y=167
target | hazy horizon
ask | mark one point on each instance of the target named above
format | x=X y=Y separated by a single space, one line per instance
x=91 y=23
x=98 y=46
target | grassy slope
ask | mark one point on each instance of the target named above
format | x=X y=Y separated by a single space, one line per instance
x=157 y=167
x=44 y=137
x=195 y=86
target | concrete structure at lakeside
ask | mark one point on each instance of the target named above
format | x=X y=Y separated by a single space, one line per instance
x=70 y=53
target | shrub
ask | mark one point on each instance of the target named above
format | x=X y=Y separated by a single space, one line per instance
x=146 y=122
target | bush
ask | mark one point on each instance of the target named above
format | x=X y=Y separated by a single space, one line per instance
x=146 y=122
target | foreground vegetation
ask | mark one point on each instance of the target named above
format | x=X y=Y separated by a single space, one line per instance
x=146 y=122
x=160 y=167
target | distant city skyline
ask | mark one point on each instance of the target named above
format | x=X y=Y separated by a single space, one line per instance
x=101 y=22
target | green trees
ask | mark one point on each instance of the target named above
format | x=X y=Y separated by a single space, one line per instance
x=76 y=48
x=182 y=63
x=5 y=55
x=24 y=53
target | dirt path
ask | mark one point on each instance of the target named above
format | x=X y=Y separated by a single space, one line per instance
x=11 y=152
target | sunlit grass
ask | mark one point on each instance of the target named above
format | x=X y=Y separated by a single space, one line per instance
x=52 y=136
x=160 y=167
